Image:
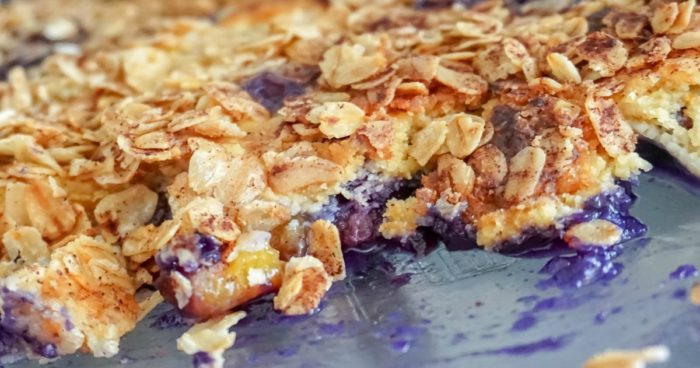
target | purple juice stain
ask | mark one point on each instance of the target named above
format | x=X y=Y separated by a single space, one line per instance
x=601 y=317
x=288 y=351
x=168 y=319
x=272 y=357
x=262 y=310
x=331 y=328
x=680 y=294
x=458 y=338
x=400 y=333
x=558 y=303
x=271 y=89
x=401 y=345
x=684 y=272
x=582 y=269
x=244 y=339
x=566 y=301
x=402 y=338
x=528 y=299
x=201 y=359
x=525 y=322
x=544 y=345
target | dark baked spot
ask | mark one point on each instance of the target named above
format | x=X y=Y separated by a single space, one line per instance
x=628 y=25
x=684 y=120
x=515 y=127
x=539 y=6
x=30 y=54
x=33 y=50
x=595 y=20
x=436 y=4
x=163 y=211
x=597 y=43
x=417 y=20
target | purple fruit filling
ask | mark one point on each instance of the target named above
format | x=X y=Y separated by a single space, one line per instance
x=684 y=272
x=359 y=226
x=186 y=254
x=271 y=89
x=10 y=346
x=169 y=319
x=613 y=206
x=455 y=233
x=201 y=359
x=592 y=264
x=18 y=310
x=358 y=219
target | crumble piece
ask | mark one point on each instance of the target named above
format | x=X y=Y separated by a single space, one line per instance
x=629 y=359
x=304 y=284
x=207 y=341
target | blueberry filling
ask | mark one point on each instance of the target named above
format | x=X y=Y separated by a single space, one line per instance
x=271 y=89
x=186 y=254
x=454 y=233
x=684 y=272
x=358 y=219
x=16 y=319
x=201 y=359
x=9 y=344
x=592 y=264
x=613 y=206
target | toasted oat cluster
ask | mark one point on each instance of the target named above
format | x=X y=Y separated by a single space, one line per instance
x=219 y=151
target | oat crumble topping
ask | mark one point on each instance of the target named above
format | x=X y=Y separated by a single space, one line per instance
x=221 y=151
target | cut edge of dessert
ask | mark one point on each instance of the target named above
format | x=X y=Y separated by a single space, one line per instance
x=210 y=161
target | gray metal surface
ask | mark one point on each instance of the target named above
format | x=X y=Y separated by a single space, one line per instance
x=457 y=309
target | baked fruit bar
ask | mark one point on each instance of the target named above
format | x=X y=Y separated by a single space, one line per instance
x=219 y=151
